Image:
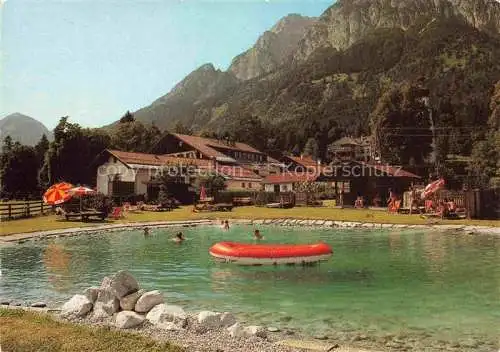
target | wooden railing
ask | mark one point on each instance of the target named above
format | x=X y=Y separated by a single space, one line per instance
x=22 y=209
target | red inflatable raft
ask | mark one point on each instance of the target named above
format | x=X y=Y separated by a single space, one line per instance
x=270 y=254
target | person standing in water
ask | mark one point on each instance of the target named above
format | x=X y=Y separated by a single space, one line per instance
x=257 y=235
x=226 y=225
x=146 y=231
x=179 y=237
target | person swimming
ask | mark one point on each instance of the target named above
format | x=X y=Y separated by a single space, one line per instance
x=257 y=235
x=179 y=237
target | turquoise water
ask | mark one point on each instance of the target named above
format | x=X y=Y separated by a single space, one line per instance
x=442 y=285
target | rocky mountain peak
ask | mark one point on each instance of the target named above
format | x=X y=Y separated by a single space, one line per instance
x=272 y=48
x=347 y=21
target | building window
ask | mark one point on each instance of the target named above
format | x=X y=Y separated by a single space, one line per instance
x=250 y=185
x=345 y=186
x=243 y=185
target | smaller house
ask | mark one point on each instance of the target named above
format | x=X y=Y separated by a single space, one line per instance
x=126 y=174
x=286 y=182
x=239 y=178
x=351 y=149
x=369 y=180
x=302 y=163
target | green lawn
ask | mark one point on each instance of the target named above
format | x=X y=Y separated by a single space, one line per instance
x=29 y=331
x=185 y=213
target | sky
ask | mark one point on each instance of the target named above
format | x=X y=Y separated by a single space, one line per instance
x=93 y=60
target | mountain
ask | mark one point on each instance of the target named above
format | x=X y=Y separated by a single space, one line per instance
x=202 y=86
x=23 y=129
x=186 y=101
x=348 y=21
x=272 y=48
x=343 y=65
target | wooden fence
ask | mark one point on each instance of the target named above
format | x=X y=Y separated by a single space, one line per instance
x=477 y=204
x=22 y=209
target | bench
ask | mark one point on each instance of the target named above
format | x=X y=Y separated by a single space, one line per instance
x=202 y=207
x=242 y=201
x=223 y=207
x=85 y=215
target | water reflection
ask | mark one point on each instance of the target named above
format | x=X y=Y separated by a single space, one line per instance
x=434 y=250
x=57 y=264
x=260 y=278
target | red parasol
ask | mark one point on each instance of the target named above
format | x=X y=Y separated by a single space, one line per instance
x=58 y=193
x=432 y=188
x=203 y=193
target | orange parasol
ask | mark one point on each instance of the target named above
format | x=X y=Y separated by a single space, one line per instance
x=58 y=193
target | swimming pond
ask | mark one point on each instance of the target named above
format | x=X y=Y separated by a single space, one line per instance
x=444 y=286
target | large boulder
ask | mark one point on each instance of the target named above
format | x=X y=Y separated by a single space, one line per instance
x=106 y=303
x=127 y=320
x=123 y=284
x=255 y=330
x=236 y=330
x=227 y=319
x=148 y=300
x=209 y=320
x=91 y=293
x=164 y=315
x=77 y=306
x=128 y=302
x=106 y=282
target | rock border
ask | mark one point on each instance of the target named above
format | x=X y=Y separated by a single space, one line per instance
x=76 y=231
x=316 y=223
x=152 y=314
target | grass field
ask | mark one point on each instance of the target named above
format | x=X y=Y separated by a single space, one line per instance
x=52 y=222
x=30 y=331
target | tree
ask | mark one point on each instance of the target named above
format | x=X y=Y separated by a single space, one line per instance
x=400 y=125
x=71 y=155
x=41 y=150
x=182 y=129
x=163 y=196
x=18 y=170
x=311 y=148
x=42 y=147
x=483 y=165
x=128 y=117
x=153 y=136
x=248 y=129
x=130 y=136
